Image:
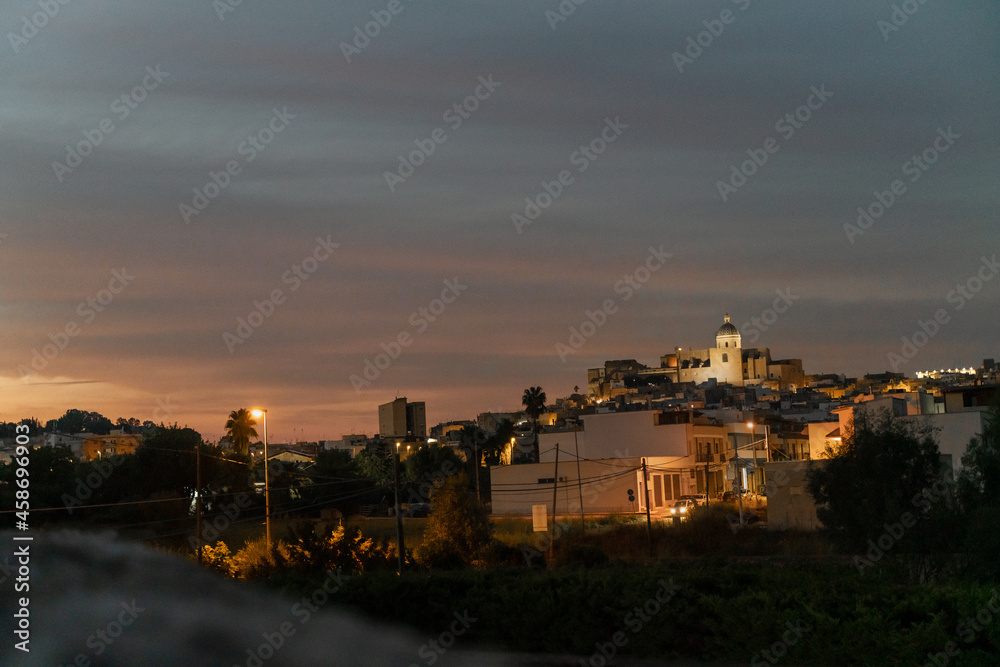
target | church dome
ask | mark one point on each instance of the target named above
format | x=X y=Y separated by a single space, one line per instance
x=727 y=329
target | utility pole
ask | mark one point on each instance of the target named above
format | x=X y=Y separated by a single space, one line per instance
x=267 y=487
x=739 y=480
x=475 y=447
x=767 y=448
x=197 y=505
x=399 y=515
x=649 y=522
x=555 y=487
x=708 y=455
x=579 y=480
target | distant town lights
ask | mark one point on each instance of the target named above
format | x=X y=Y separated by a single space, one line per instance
x=955 y=371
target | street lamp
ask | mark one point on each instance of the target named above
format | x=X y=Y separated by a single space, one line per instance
x=739 y=480
x=399 y=514
x=767 y=449
x=258 y=413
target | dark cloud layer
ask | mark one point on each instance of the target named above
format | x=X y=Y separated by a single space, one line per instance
x=322 y=176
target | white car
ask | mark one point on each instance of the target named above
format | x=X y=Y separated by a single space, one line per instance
x=682 y=509
x=698 y=498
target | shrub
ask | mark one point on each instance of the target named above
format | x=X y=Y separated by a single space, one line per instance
x=458 y=532
x=305 y=552
x=584 y=555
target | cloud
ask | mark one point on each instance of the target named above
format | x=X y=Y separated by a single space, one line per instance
x=324 y=175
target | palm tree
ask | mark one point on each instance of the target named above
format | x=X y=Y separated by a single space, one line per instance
x=534 y=403
x=240 y=429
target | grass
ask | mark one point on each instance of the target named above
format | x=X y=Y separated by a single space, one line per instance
x=714 y=612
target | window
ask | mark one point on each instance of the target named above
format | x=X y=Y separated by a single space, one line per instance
x=725 y=357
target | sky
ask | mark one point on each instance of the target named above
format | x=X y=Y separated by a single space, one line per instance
x=209 y=205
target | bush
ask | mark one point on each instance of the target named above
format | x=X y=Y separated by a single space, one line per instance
x=584 y=555
x=305 y=553
x=459 y=532
x=872 y=477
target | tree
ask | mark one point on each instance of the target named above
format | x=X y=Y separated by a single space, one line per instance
x=534 y=403
x=877 y=474
x=979 y=481
x=430 y=462
x=167 y=463
x=9 y=429
x=81 y=421
x=978 y=488
x=459 y=532
x=471 y=439
x=334 y=482
x=374 y=467
x=131 y=425
x=498 y=443
x=240 y=428
x=53 y=471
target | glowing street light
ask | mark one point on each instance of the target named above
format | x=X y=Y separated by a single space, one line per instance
x=767 y=449
x=258 y=413
x=399 y=515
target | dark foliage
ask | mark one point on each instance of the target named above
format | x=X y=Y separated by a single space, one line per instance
x=885 y=472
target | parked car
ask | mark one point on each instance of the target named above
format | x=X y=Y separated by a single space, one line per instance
x=418 y=510
x=698 y=498
x=682 y=509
